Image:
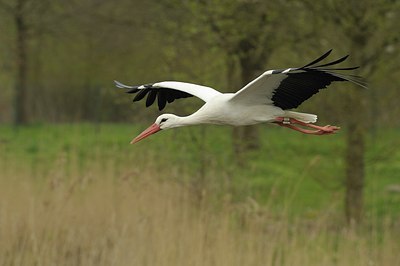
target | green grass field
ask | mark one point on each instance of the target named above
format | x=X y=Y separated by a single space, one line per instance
x=305 y=172
x=81 y=195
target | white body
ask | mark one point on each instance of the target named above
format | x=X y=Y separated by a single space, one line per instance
x=221 y=111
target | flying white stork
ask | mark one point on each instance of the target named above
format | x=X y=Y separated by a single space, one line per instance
x=265 y=99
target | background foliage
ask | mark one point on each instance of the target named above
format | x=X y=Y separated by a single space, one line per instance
x=76 y=49
x=64 y=130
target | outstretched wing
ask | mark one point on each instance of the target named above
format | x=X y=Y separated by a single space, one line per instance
x=288 y=88
x=168 y=91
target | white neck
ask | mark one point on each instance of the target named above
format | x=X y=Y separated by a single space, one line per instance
x=193 y=119
x=190 y=120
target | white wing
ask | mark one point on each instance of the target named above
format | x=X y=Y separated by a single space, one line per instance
x=288 y=88
x=168 y=91
x=260 y=90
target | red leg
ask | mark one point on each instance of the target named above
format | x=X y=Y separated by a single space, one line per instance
x=288 y=122
x=306 y=131
x=327 y=128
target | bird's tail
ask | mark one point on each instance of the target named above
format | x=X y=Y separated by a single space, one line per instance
x=303 y=117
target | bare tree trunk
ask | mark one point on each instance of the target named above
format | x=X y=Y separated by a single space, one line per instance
x=355 y=150
x=20 y=96
x=246 y=138
x=233 y=82
x=355 y=142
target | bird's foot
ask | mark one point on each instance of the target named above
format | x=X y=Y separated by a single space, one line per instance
x=326 y=130
x=330 y=129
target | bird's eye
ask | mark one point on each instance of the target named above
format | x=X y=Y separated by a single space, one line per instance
x=163 y=120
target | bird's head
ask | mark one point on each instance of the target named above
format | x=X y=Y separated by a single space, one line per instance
x=164 y=121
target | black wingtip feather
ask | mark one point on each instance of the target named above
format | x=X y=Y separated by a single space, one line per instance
x=140 y=95
x=322 y=57
x=164 y=95
x=151 y=98
x=341 y=68
x=161 y=100
x=333 y=62
x=132 y=91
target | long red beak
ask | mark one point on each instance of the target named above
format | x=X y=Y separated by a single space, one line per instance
x=154 y=128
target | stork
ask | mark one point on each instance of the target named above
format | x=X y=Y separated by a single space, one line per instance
x=268 y=98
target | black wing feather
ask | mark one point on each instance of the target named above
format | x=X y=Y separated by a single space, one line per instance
x=162 y=100
x=340 y=60
x=163 y=95
x=299 y=87
x=140 y=95
x=133 y=90
x=302 y=83
x=170 y=97
x=151 y=98
x=322 y=57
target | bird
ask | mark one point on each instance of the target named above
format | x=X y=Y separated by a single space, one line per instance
x=266 y=99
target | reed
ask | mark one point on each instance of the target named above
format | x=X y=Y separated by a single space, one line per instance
x=98 y=215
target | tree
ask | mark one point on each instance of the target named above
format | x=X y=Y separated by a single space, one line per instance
x=35 y=22
x=27 y=16
x=21 y=28
x=359 y=27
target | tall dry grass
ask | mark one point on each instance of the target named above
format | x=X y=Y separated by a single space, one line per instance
x=103 y=216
